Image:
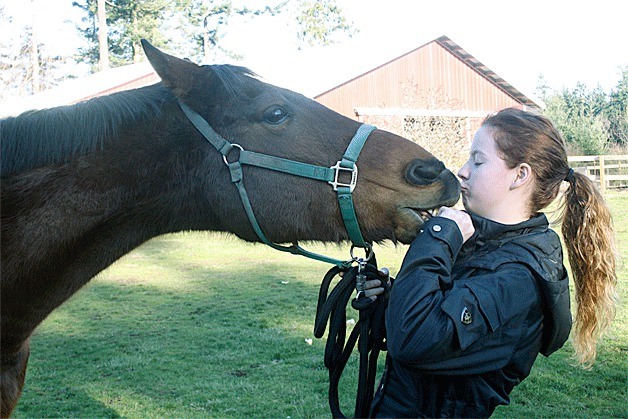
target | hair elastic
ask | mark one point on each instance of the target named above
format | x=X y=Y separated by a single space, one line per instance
x=570 y=176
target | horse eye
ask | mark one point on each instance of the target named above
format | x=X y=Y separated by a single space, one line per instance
x=275 y=115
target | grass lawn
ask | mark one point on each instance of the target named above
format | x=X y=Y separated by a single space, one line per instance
x=204 y=325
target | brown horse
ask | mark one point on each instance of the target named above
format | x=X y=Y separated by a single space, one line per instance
x=82 y=185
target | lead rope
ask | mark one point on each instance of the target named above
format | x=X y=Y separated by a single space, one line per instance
x=370 y=330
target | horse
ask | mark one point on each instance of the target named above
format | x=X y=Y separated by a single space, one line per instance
x=84 y=184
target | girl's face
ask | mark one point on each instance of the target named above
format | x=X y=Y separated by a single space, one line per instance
x=487 y=182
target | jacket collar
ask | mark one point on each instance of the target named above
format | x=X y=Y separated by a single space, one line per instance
x=487 y=230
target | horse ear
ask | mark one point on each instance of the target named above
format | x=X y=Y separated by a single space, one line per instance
x=177 y=74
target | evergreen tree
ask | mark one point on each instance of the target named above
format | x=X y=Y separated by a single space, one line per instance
x=584 y=132
x=128 y=21
x=203 y=23
x=617 y=111
x=591 y=121
x=319 y=21
x=195 y=27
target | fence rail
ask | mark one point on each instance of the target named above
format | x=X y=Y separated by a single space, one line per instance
x=608 y=171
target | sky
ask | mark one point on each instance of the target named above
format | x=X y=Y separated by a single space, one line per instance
x=565 y=41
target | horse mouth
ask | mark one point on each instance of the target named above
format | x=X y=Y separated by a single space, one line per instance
x=410 y=222
x=423 y=214
x=427 y=214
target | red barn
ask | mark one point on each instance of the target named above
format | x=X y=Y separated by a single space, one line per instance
x=436 y=95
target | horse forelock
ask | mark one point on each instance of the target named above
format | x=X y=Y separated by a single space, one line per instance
x=231 y=77
x=56 y=135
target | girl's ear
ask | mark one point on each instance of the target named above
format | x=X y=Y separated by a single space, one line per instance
x=524 y=176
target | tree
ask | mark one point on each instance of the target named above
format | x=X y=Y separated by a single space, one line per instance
x=202 y=24
x=34 y=53
x=26 y=66
x=128 y=21
x=103 y=35
x=591 y=120
x=617 y=111
x=195 y=27
x=576 y=114
x=319 y=21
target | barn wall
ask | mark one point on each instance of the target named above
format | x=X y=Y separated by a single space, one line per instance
x=429 y=77
x=428 y=95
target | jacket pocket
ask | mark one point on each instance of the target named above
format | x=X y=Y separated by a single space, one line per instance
x=473 y=320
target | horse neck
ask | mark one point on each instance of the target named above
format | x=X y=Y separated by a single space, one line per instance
x=62 y=225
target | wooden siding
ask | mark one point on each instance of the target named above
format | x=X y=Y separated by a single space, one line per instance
x=429 y=77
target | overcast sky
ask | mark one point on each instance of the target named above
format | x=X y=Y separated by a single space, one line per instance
x=566 y=41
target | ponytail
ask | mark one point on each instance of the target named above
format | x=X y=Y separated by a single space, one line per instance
x=588 y=234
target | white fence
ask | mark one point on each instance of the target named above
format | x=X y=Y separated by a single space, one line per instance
x=608 y=171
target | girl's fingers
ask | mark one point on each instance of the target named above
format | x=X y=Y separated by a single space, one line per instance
x=372 y=283
x=373 y=291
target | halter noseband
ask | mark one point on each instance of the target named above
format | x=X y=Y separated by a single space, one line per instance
x=326 y=174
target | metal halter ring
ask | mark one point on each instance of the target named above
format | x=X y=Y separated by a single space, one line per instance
x=368 y=250
x=224 y=157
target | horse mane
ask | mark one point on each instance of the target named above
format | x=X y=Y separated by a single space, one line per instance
x=47 y=136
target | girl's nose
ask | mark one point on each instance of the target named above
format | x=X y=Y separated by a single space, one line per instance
x=463 y=173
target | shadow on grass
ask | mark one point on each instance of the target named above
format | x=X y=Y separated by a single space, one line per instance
x=227 y=342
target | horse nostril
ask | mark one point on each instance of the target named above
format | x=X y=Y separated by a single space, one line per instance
x=423 y=172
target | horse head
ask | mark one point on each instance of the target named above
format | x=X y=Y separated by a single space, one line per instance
x=397 y=180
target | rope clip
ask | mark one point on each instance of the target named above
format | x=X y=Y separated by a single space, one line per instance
x=360 y=278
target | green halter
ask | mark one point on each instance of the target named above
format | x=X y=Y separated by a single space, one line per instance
x=327 y=174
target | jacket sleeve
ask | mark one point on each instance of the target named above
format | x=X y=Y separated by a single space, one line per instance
x=455 y=327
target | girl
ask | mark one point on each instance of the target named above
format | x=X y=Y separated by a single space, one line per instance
x=480 y=293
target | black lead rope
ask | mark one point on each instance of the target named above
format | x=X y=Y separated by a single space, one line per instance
x=369 y=332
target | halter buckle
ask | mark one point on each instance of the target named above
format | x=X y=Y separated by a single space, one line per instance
x=337 y=168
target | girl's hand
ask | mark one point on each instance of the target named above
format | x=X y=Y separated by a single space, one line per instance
x=373 y=287
x=462 y=220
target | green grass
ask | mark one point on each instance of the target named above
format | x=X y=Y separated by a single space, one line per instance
x=203 y=325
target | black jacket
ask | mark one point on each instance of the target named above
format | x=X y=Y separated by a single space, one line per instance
x=465 y=323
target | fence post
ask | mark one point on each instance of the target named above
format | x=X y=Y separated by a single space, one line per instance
x=602 y=177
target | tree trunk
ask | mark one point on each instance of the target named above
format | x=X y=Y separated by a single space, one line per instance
x=136 y=46
x=103 y=45
x=34 y=51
